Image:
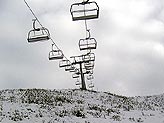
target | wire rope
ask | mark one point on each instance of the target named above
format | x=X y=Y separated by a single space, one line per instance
x=32 y=12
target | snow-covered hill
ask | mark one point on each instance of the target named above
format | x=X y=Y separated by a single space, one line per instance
x=76 y=106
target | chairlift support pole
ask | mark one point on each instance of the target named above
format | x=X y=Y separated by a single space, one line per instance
x=81 y=72
x=83 y=85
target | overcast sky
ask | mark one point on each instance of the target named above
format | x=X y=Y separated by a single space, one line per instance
x=129 y=56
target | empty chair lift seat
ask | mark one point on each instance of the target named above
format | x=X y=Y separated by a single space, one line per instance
x=91 y=85
x=40 y=34
x=89 y=65
x=64 y=63
x=70 y=68
x=78 y=83
x=87 y=44
x=90 y=77
x=84 y=11
x=55 y=55
x=75 y=75
x=89 y=57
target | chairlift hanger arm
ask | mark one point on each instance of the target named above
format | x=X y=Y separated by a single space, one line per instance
x=89 y=34
x=85 y=2
x=37 y=29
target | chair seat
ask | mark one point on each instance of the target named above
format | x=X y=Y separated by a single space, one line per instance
x=85 y=17
x=36 y=39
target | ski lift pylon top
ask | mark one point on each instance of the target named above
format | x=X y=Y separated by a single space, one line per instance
x=38 y=34
x=84 y=11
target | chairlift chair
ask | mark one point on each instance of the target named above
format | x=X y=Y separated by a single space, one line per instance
x=73 y=70
x=69 y=68
x=90 y=77
x=41 y=34
x=84 y=11
x=75 y=75
x=85 y=71
x=78 y=82
x=89 y=57
x=87 y=44
x=38 y=34
x=90 y=71
x=92 y=57
x=77 y=71
x=86 y=58
x=89 y=68
x=89 y=65
x=56 y=55
x=64 y=63
x=91 y=85
x=77 y=59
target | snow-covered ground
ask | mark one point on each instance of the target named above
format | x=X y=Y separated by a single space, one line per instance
x=76 y=106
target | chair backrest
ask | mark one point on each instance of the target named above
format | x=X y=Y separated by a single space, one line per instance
x=84 y=11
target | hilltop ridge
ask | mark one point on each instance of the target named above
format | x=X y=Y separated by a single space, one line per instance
x=76 y=106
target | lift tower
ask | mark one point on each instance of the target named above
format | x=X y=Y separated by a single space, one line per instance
x=81 y=61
